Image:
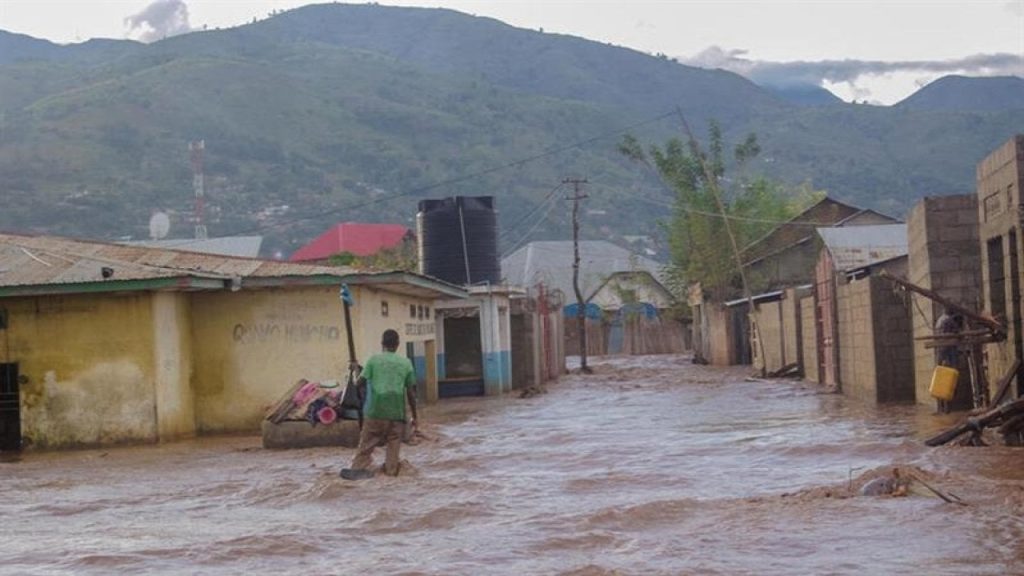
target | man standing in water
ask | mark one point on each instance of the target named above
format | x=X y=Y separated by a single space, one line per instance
x=949 y=323
x=389 y=381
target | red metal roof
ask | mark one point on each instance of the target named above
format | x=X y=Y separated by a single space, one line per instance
x=355 y=237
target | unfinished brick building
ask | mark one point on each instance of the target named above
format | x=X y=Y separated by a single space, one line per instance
x=945 y=258
x=1000 y=177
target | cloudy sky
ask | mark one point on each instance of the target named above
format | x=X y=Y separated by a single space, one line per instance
x=879 y=51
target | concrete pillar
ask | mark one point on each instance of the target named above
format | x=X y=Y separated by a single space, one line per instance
x=172 y=366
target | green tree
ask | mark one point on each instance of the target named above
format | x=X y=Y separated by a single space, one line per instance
x=402 y=257
x=699 y=243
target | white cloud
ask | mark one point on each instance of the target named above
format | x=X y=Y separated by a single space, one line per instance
x=161 y=19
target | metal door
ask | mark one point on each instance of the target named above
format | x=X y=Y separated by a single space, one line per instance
x=825 y=313
x=10 y=408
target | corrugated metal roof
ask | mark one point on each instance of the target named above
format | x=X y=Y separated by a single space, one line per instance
x=356 y=237
x=243 y=246
x=551 y=263
x=860 y=246
x=49 y=260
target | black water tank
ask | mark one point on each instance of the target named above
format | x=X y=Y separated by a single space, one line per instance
x=445 y=226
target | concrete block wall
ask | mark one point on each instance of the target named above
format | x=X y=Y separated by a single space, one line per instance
x=769 y=322
x=856 y=340
x=809 y=339
x=944 y=256
x=1000 y=177
x=791 y=322
x=875 y=342
x=720 y=335
x=892 y=335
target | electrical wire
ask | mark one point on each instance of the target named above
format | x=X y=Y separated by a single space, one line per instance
x=675 y=206
x=507 y=231
x=540 y=220
x=444 y=183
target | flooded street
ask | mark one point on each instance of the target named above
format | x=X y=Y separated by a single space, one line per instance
x=649 y=466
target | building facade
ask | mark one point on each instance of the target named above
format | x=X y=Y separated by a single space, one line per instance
x=944 y=258
x=999 y=180
x=109 y=344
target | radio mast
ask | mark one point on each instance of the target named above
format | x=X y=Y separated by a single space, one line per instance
x=195 y=149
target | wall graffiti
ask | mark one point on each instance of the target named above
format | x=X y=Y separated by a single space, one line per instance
x=294 y=333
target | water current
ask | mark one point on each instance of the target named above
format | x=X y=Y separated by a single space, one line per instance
x=651 y=465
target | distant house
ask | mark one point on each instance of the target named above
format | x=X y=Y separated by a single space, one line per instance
x=550 y=263
x=629 y=287
x=786 y=256
x=353 y=237
x=864 y=336
x=782 y=260
x=623 y=291
x=106 y=343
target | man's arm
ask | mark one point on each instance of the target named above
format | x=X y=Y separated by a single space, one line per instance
x=360 y=380
x=410 y=396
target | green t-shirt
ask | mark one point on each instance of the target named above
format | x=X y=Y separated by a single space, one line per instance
x=387 y=376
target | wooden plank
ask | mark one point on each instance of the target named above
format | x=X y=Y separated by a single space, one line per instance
x=1004 y=383
x=985 y=320
x=285 y=405
x=978 y=423
x=958 y=335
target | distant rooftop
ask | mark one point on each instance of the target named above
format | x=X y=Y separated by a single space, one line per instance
x=551 y=263
x=33 y=265
x=242 y=246
x=354 y=237
x=861 y=246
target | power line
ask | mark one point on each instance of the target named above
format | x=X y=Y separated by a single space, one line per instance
x=551 y=206
x=676 y=206
x=456 y=180
x=505 y=232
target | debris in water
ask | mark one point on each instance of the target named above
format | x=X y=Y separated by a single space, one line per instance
x=533 y=391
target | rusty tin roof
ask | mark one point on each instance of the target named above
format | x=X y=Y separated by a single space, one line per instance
x=47 y=264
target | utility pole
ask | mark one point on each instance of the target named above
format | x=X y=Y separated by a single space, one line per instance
x=581 y=327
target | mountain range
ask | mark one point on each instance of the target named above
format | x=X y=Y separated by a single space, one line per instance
x=336 y=112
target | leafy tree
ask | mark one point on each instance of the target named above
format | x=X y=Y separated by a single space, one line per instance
x=402 y=257
x=341 y=259
x=699 y=242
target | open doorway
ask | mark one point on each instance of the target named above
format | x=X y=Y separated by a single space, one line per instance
x=463 y=358
x=10 y=408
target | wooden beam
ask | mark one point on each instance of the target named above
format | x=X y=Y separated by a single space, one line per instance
x=1004 y=384
x=991 y=323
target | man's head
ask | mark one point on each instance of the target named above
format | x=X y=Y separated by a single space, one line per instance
x=390 y=340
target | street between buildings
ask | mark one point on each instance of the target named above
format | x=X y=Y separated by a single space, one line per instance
x=651 y=465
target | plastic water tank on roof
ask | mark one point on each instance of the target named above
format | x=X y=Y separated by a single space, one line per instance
x=459 y=239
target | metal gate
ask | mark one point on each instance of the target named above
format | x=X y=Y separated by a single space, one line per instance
x=10 y=408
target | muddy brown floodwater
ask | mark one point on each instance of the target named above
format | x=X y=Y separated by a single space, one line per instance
x=649 y=466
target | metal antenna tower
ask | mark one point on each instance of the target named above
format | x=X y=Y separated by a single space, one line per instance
x=195 y=149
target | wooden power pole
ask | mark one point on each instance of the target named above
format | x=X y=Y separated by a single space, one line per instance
x=581 y=317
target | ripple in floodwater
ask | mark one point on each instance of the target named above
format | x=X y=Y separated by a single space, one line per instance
x=651 y=465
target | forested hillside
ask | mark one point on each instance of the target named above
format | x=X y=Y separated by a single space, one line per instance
x=342 y=112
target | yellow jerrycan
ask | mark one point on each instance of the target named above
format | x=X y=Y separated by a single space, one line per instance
x=944 y=383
